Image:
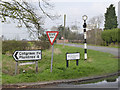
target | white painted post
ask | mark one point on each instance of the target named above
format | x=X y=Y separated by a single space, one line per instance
x=85 y=41
x=85 y=37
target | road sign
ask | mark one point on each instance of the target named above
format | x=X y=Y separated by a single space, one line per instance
x=72 y=56
x=52 y=36
x=27 y=55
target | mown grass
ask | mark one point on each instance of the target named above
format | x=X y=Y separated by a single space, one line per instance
x=98 y=63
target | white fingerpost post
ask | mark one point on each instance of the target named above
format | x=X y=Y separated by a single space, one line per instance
x=85 y=37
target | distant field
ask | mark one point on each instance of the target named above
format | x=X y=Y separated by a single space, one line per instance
x=98 y=63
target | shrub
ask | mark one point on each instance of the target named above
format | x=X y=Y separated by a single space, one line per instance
x=12 y=45
x=42 y=44
x=111 y=36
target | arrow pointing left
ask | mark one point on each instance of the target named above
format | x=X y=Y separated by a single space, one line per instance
x=15 y=55
x=27 y=55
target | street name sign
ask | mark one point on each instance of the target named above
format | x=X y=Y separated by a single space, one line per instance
x=27 y=55
x=52 y=36
x=72 y=56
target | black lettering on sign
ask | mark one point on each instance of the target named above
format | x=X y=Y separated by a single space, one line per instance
x=51 y=35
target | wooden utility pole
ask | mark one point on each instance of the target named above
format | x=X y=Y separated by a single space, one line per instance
x=64 y=29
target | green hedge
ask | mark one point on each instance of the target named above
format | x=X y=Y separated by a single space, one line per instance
x=111 y=36
x=42 y=44
x=12 y=45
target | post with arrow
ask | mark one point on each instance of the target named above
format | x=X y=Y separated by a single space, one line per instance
x=31 y=55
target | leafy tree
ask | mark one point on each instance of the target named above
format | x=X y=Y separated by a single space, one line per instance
x=110 y=18
x=60 y=29
x=68 y=34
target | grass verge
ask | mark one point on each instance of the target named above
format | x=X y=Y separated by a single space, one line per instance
x=98 y=63
x=110 y=46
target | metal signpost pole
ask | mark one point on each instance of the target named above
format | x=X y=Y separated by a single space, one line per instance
x=67 y=63
x=16 y=67
x=77 y=62
x=36 y=66
x=52 y=57
x=85 y=41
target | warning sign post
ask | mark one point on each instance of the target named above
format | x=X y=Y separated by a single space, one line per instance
x=52 y=35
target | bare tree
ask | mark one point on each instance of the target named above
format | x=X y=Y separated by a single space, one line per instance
x=24 y=14
x=95 y=22
x=54 y=28
x=74 y=27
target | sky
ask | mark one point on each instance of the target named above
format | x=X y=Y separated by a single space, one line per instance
x=74 y=10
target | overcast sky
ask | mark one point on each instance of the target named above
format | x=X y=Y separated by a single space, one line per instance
x=74 y=10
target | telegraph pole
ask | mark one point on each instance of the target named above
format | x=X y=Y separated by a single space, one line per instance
x=64 y=29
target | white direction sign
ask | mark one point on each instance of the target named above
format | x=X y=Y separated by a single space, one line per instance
x=73 y=56
x=27 y=55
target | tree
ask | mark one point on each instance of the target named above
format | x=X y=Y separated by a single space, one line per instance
x=95 y=22
x=25 y=14
x=61 y=32
x=60 y=29
x=54 y=28
x=74 y=27
x=110 y=18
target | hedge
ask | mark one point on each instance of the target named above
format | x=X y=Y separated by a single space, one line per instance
x=41 y=44
x=9 y=46
x=12 y=45
x=111 y=36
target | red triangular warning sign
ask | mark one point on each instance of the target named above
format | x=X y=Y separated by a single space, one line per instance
x=52 y=36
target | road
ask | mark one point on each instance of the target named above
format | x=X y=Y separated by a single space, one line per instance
x=113 y=51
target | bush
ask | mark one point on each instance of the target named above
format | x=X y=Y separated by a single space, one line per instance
x=42 y=44
x=12 y=45
x=111 y=36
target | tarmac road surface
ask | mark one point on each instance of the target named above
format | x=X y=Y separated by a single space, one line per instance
x=113 y=51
